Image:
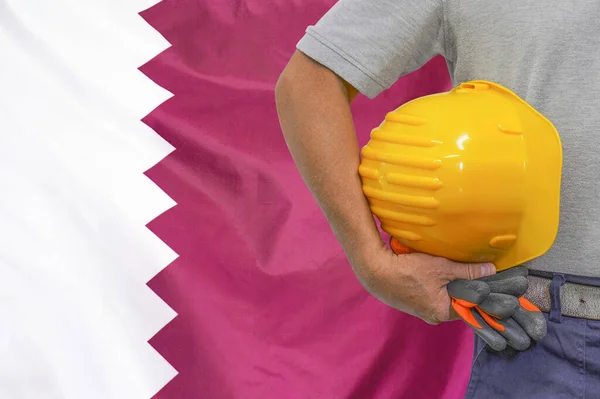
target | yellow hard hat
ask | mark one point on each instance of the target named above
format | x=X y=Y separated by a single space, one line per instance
x=472 y=175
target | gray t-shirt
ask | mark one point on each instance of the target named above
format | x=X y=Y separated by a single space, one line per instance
x=548 y=52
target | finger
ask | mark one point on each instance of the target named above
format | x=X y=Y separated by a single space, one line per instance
x=525 y=303
x=514 y=334
x=515 y=286
x=517 y=271
x=490 y=320
x=532 y=320
x=466 y=313
x=481 y=327
x=495 y=341
x=470 y=271
x=469 y=291
x=500 y=305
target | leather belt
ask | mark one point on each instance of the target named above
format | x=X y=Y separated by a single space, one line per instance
x=577 y=300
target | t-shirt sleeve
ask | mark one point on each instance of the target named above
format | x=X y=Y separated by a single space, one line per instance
x=372 y=43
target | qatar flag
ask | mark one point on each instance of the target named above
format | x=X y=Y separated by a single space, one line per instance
x=157 y=239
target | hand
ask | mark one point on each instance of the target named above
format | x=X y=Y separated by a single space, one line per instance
x=416 y=283
x=495 y=306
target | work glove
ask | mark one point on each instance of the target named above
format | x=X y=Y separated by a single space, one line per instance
x=494 y=307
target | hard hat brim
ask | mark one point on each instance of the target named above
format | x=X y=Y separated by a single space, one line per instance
x=542 y=181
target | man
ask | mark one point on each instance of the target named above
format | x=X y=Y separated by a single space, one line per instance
x=546 y=52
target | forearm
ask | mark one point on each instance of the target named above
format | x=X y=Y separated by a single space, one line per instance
x=314 y=112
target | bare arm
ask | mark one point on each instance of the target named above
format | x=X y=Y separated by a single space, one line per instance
x=314 y=110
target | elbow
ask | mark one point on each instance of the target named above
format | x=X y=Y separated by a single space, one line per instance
x=299 y=75
x=284 y=89
x=280 y=89
x=284 y=102
x=305 y=78
x=281 y=95
x=286 y=93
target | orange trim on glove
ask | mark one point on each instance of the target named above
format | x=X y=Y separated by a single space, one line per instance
x=528 y=305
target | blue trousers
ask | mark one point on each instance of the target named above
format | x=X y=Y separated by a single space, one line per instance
x=564 y=364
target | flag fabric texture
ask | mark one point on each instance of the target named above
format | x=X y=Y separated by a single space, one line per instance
x=158 y=241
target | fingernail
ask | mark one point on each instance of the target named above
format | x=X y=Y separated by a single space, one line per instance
x=488 y=269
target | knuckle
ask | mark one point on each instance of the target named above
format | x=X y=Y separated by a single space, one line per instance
x=469 y=271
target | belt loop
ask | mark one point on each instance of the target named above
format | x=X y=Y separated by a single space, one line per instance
x=555 y=307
